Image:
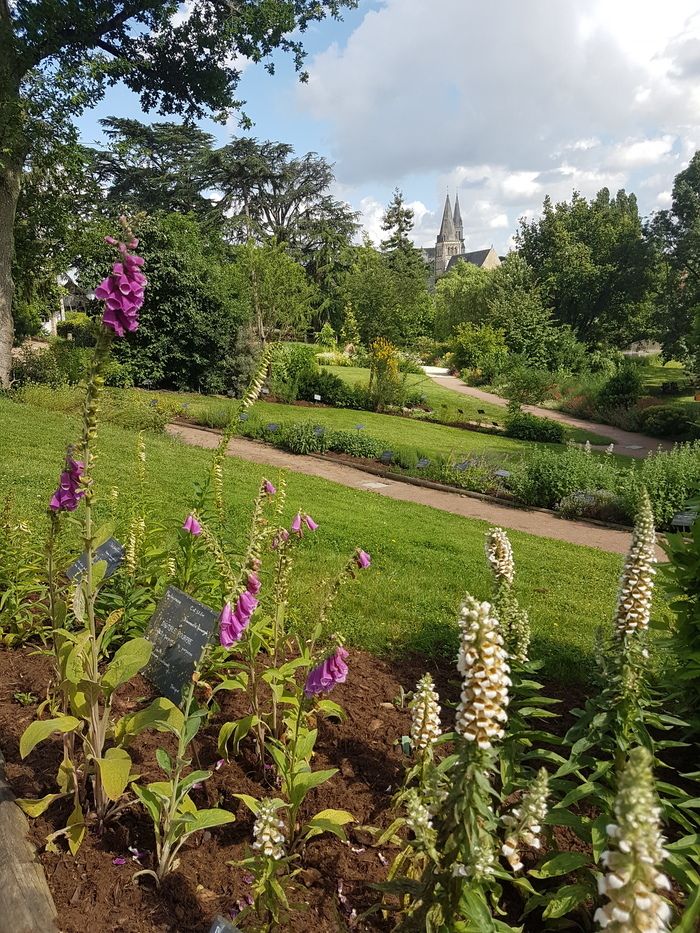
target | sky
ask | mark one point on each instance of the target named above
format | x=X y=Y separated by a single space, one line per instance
x=501 y=101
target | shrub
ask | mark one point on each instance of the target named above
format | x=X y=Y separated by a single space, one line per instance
x=72 y=361
x=36 y=367
x=622 y=390
x=408 y=363
x=292 y=365
x=326 y=337
x=671 y=477
x=303 y=437
x=332 y=389
x=334 y=358
x=669 y=421
x=550 y=475
x=528 y=427
x=81 y=328
x=529 y=386
x=430 y=351
x=355 y=444
x=479 y=348
x=598 y=504
x=385 y=384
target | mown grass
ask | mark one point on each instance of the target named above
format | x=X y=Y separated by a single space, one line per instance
x=449 y=405
x=424 y=560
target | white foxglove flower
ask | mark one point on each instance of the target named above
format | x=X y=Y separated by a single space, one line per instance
x=269 y=830
x=633 y=877
x=137 y=533
x=418 y=819
x=637 y=580
x=499 y=554
x=610 y=449
x=524 y=822
x=519 y=635
x=587 y=447
x=425 y=711
x=482 y=661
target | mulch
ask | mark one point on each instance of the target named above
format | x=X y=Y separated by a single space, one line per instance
x=92 y=893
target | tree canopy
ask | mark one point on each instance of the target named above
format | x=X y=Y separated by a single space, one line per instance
x=64 y=53
x=594 y=265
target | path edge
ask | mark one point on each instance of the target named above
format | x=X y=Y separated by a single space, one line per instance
x=26 y=903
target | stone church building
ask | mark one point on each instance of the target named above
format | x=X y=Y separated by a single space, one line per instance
x=449 y=248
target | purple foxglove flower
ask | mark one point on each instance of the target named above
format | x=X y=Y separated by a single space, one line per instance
x=363 y=559
x=219 y=764
x=310 y=523
x=326 y=675
x=269 y=488
x=254 y=584
x=192 y=525
x=122 y=291
x=231 y=626
x=118 y=861
x=296 y=525
x=69 y=493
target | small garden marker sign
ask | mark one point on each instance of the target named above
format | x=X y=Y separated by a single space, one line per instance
x=111 y=552
x=179 y=631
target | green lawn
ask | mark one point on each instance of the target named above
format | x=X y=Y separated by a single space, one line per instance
x=423 y=560
x=449 y=405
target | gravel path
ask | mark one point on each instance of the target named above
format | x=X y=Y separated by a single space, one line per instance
x=628 y=443
x=539 y=523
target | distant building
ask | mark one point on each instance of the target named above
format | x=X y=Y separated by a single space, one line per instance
x=449 y=247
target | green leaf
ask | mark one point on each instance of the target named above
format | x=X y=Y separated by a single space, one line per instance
x=162 y=715
x=41 y=729
x=99 y=569
x=115 y=769
x=194 y=777
x=208 y=819
x=234 y=731
x=37 y=807
x=151 y=801
x=599 y=837
x=691 y=842
x=103 y=533
x=251 y=802
x=127 y=662
x=560 y=864
x=305 y=781
x=329 y=821
x=75 y=830
x=79 y=603
x=163 y=759
x=565 y=899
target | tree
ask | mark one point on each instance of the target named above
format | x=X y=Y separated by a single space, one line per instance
x=387 y=299
x=153 y=167
x=56 y=197
x=398 y=223
x=61 y=54
x=676 y=235
x=459 y=298
x=274 y=292
x=594 y=266
x=192 y=314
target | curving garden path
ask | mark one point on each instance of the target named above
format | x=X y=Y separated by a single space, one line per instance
x=537 y=522
x=629 y=443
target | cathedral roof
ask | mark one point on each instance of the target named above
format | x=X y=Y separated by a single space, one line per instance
x=447 y=228
x=476 y=257
x=457 y=219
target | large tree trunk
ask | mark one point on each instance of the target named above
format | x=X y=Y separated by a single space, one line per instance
x=9 y=192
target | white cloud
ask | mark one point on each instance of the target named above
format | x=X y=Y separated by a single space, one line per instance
x=508 y=102
x=663 y=199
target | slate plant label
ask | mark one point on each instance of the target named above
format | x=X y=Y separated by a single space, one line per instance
x=179 y=631
x=112 y=552
x=317 y=398
x=272 y=428
x=387 y=456
x=423 y=463
x=221 y=925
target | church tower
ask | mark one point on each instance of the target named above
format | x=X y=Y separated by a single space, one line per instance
x=450 y=241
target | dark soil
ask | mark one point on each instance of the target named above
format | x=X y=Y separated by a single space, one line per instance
x=93 y=893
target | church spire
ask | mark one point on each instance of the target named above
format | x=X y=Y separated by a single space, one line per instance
x=457 y=220
x=447 y=228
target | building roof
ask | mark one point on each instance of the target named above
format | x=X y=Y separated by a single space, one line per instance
x=476 y=257
x=447 y=228
x=457 y=219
